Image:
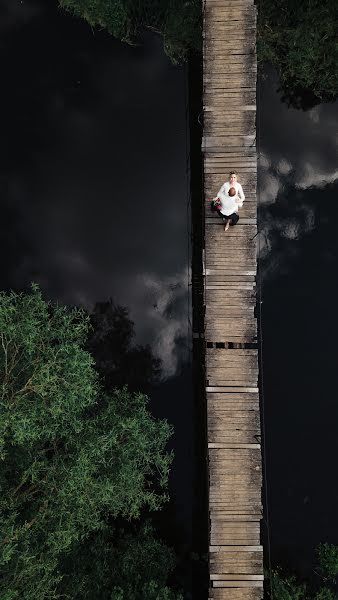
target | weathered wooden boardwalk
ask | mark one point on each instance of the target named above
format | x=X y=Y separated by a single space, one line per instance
x=235 y=470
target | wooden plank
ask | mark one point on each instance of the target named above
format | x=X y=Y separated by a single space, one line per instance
x=236 y=428
x=231 y=377
x=219 y=100
x=211 y=141
x=215 y=295
x=228 y=2
x=234 y=415
x=218 y=473
x=239 y=406
x=239 y=466
x=220 y=168
x=233 y=577
x=244 y=164
x=226 y=404
x=235 y=584
x=232 y=354
x=255 y=548
x=233 y=594
x=229 y=331
x=233 y=424
x=233 y=371
x=216 y=365
x=224 y=324
x=226 y=45
x=241 y=235
x=233 y=446
x=241 y=152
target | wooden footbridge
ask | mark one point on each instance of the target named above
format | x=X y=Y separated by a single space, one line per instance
x=234 y=453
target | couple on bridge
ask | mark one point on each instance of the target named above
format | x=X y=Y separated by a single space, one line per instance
x=229 y=200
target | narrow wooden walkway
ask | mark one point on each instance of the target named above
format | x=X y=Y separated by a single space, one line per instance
x=235 y=476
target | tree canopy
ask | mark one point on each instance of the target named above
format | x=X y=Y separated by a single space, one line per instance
x=300 y=40
x=282 y=586
x=327 y=558
x=119 y=564
x=285 y=587
x=73 y=458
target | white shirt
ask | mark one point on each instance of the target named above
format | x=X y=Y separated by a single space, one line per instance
x=230 y=204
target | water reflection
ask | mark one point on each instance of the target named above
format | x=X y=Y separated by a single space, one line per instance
x=96 y=195
x=95 y=205
x=299 y=255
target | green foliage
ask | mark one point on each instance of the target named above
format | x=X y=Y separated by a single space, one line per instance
x=297 y=38
x=142 y=566
x=182 y=29
x=72 y=458
x=130 y=565
x=325 y=594
x=178 y=21
x=285 y=587
x=328 y=560
x=113 y=15
x=300 y=40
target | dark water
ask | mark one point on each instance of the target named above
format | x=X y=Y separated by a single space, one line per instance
x=95 y=205
x=299 y=262
x=96 y=202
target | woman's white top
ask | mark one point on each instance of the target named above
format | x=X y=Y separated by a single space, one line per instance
x=230 y=204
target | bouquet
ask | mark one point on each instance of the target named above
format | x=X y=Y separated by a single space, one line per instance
x=216 y=204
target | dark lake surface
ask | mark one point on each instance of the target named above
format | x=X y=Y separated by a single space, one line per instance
x=96 y=205
x=96 y=200
x=298 y=183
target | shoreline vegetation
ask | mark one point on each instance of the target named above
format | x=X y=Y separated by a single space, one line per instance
x=297 y=38
x=322 y=586
x=83 y=461
x=84 y=465
x=179 y=22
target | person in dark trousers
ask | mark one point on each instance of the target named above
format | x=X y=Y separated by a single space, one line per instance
x=229 y=200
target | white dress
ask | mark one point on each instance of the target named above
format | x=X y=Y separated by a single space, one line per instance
x=230 y=204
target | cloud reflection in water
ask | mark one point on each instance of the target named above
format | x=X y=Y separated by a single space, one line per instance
x=96 y=170
x=298 y=152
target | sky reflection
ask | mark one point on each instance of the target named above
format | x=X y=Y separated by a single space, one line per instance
x=298 y=151
x=298 y=213
x=95 y=194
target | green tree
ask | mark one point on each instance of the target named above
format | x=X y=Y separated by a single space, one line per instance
x=72 y=458
x=325 y=594
x=120 y=563
x=178 y=21
x=285 y=587
x=300 y=40
x=327 y=555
